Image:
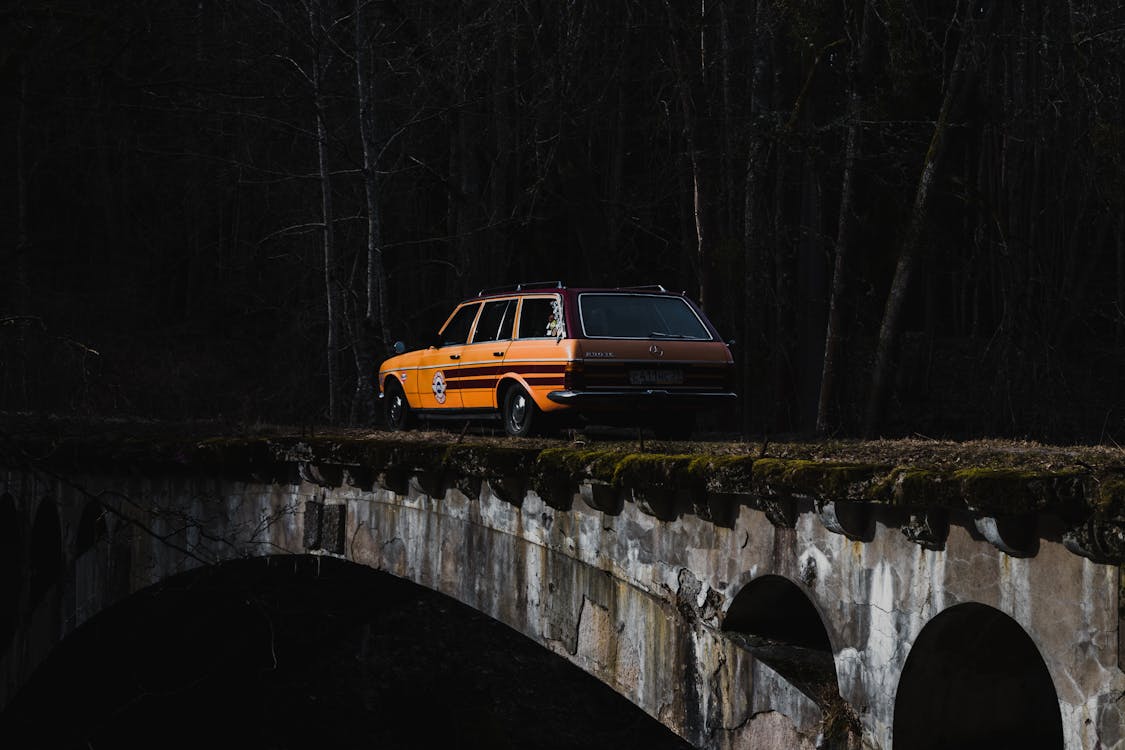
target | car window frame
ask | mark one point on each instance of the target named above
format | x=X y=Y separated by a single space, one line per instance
x=441 y=342
x=558 y=304
x=512 y=304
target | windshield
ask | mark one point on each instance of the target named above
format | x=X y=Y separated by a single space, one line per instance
x=639 y=316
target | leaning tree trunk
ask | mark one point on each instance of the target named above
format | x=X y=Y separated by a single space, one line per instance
x=909 y=252
x=833 y=337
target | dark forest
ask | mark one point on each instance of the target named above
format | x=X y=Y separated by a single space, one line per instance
x=908 y=215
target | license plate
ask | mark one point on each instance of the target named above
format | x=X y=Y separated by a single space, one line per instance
x=656 y=377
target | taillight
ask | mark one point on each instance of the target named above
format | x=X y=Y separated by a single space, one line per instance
x=573 y=377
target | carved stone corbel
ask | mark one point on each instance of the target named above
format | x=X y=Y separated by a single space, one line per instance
x=1016 y=536
x=602 y=497
x=928 y=528
x=853 y=520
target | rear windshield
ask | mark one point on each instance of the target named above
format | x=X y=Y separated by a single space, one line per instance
x=639 y=316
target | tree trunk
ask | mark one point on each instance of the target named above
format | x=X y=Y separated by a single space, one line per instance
x=332 y=304
x=19 y=294
x=908 y=254
x=372 y=340
x=755 y=222
x=811 y=283
x=1119 y=332
x=699 y=195
x=834 y=334
x=463 y=170
x=500 y=169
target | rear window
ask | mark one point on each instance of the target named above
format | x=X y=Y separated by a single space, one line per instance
x=639 y=316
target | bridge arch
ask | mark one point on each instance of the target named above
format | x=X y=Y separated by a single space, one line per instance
x=295 y=650
x=772 y=606
x=11 y=570
x=975 y=679
x=673 y=614
x=774 y=619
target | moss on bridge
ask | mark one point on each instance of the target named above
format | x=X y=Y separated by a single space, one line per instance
x=1080 y=484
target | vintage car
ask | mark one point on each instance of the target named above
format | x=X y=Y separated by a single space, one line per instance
x=542 y=354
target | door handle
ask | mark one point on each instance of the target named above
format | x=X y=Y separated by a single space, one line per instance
x=498 y=354
x=455 y=356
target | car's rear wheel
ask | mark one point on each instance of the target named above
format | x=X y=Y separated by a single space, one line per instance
x=397 y=408
x=521 y=415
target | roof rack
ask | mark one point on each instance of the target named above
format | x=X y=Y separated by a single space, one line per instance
x=521 y=287
x=646 y=287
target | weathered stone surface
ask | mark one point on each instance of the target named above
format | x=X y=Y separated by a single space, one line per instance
x=633 y=592
x=771 y=729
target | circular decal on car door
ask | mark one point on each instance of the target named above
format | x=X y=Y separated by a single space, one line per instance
x=439 y=387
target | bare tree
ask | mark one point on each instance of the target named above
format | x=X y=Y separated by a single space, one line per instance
x=333 y=307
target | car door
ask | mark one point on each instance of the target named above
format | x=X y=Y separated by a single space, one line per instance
x=482 y=360
x=537 y=354
x=437 y=380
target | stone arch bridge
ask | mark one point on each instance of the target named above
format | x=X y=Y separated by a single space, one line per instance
x=774 y=597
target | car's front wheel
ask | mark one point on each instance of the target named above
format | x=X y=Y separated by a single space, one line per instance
x=397 y=408
x=520 y=413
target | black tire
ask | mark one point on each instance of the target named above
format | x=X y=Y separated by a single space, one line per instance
x=520 y=413
x=397 y=408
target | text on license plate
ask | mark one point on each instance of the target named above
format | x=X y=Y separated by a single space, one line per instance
x=656 y=377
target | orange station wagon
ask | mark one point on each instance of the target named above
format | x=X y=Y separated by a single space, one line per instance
x=540 y=355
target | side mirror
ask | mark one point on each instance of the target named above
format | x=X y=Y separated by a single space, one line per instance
x=399 y=347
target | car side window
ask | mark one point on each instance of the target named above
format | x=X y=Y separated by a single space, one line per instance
x=541 y=317
x=496 y=321
x=456 y=331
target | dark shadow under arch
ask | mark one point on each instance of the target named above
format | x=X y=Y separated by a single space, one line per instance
x=975 y=679
x=11 y=570
x=777 y=622
x=774 y=607
x=46 y=552
x=91 y=527
x=302 y=651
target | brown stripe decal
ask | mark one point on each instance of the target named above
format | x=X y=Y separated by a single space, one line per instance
x=471 y=371
x=467 y=383
x=544 y=381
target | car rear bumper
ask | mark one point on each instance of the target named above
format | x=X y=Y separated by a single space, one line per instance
x=648 y=398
